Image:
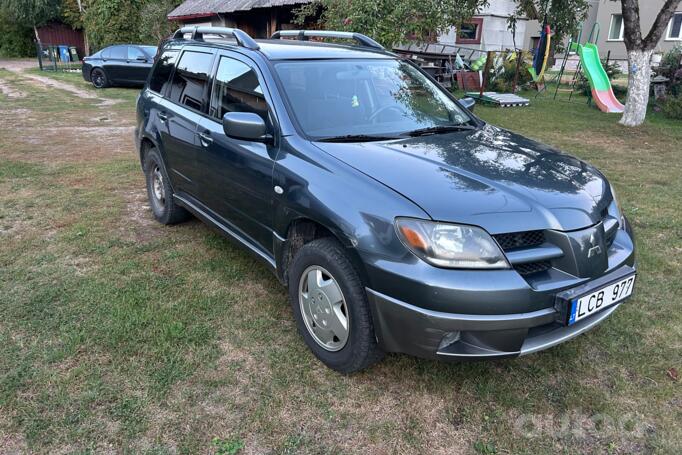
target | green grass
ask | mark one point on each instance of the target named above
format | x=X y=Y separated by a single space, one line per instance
x=118 y=334
x=76 y=79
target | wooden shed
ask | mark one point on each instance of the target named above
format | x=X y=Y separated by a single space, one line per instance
x=258 y=18
x=57 y=33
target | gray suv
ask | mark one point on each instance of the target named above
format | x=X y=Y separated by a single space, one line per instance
x=398 y=220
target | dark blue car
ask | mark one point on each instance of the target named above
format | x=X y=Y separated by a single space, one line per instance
x=398 y=220
x=121 y=65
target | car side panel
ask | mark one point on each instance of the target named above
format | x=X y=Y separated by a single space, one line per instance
x=359 y=210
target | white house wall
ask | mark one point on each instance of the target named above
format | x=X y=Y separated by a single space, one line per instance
x=496 y=34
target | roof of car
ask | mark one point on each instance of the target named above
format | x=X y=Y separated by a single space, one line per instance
x=289 y=49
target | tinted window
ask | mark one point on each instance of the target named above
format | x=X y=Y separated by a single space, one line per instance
x=134 y=53
x=105 y=53
x=119 y=52
x=162 y=71
x=237 y=89
x=190 y=79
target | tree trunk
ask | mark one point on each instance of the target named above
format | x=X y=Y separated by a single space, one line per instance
x=639 y=79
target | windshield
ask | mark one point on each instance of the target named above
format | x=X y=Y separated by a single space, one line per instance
x=387 y=98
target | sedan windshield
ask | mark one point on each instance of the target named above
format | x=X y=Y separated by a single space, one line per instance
x=362 y=99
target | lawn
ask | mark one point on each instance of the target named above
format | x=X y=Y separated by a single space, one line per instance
x=121 y=335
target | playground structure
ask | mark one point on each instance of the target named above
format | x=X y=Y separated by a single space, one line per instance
x=477 y=72
x=590 y=65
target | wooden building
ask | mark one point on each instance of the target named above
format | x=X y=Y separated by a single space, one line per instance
x=58 y=34
x=258 y=18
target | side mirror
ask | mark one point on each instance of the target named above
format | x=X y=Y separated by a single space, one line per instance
x=245 y=125
x=468 y=103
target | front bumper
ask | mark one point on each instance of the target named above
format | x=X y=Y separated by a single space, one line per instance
x=402 y=327
x=437 y=313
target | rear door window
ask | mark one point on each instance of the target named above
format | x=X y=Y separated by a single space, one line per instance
x=190 y=79
x=162 y=71
x=119 y=52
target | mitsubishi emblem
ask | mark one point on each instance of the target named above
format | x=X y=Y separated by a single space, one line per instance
x=595 y=249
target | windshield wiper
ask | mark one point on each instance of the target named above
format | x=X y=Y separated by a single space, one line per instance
x=356 y=138
x=440 y=129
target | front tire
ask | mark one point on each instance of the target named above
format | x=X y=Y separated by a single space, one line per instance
x=331 y=307
x=159 y=191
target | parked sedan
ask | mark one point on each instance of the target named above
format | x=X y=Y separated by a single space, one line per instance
x=123 y=64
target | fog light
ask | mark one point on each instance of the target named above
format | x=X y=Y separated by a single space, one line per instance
x=448 y=339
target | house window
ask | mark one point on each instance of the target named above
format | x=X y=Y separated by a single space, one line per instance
x=675 y=27
x=616 y=28
x=470 y=31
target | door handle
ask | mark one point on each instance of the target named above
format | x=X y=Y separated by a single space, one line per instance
x=206 y=139
x=163 y=117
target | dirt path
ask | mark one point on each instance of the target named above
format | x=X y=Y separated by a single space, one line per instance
x=19 y=66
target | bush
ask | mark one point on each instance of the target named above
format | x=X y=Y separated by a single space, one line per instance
x=504 y=81
x=672 y=107
x=670 y=62
x=17 y=40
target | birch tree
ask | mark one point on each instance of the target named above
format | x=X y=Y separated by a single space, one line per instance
x=640 y=49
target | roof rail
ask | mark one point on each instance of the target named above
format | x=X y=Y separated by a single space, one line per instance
x=198 y=32
x=303 y=35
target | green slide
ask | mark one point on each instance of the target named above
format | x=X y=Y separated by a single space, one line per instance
x=602 y=92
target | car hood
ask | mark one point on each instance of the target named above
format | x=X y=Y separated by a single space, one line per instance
x=488 y=177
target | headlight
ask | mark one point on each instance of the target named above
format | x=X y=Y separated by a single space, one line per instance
x=450 y=245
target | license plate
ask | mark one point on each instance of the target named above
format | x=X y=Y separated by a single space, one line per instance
x=596 y=301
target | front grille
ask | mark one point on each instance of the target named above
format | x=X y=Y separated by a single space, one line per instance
x=525 y=239
x=610 y=238
x=532 y=267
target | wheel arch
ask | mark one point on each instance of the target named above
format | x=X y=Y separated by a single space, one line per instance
x=146 y=144
x=303 y=230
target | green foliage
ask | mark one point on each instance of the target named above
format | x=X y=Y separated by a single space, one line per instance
x=71 y=14
x=671 y=67
x=504 y=79
x=128 y=21
x=112 y=21
x=30 y=13
x=154 y=24
x=672 y=107
x=564 y=16
x=388 y=21
x=673 y=58
x=17 y=40
x=227 y=447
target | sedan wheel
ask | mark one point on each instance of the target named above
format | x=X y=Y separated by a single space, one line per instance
x=99 y=79
x=323 y=308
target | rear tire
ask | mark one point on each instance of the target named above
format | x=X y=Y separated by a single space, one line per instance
x=331 y=307
x=99 y=78
x=159 y=191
